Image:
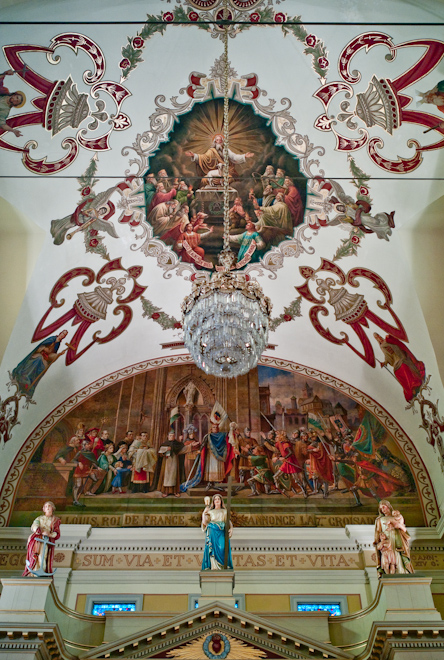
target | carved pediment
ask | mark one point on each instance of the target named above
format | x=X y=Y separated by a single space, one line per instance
x=217 y=631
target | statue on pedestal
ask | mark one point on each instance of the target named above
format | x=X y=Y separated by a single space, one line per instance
x=214 y=522
x=40 y=551
x=391 y=541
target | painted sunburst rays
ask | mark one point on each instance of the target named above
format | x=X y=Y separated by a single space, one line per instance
x=207 y=121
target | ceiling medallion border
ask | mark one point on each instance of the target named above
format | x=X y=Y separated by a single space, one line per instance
x=7 y=494
x=203 y=88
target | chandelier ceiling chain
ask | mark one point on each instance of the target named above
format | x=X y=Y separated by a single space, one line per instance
x=226 y=317
x=226 y=169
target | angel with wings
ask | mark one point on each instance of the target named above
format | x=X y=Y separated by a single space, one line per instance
x=92 y=212
x=357 y=213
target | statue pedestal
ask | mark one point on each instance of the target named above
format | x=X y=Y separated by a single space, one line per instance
x=216 y=585
x=408 y=598
x=25 y=600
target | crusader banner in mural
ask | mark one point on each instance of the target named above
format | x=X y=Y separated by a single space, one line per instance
x=153 y=445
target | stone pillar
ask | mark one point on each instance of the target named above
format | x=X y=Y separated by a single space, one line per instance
x=61 y=578
x=216 y=585
x=157 y=420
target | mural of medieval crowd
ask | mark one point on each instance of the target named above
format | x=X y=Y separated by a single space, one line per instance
x=183 y=189
x=295 y=439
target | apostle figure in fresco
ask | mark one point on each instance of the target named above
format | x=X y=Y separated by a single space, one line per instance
x=293 y=200
x=214 y=156
x=168 y=182
x=167 y=216
x=161 y=196
x=409 y=372
x=28 y=373
x=184 y=194
x=149 y=188
x=274 y=222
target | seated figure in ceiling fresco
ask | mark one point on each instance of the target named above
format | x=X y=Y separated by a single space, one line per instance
x=209 y=161
x=293 y=200
x=274 y=223
x=40 y=555
x=390 y=524
x=166 y=216
x=161 y=196
x=168 y=182
x=214 y=522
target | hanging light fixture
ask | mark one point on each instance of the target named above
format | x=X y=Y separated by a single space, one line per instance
x=226 y=317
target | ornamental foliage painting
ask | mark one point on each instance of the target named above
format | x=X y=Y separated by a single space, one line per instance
x=119 y=133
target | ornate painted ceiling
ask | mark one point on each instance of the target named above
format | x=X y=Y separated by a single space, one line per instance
x=337 y=136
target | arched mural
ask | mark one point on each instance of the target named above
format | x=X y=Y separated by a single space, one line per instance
x=349 y=453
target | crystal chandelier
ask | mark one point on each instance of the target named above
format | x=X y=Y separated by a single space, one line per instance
x=225 y=318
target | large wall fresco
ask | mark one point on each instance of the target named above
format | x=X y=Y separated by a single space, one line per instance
x=345 y=458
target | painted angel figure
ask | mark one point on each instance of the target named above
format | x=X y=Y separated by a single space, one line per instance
x=214 y=521
x=95 y=212
x=40 y=555
x=357 y=213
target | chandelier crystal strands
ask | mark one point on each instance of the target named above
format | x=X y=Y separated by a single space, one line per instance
x=226 y=317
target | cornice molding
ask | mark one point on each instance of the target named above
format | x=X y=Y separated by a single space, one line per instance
x=351 y=539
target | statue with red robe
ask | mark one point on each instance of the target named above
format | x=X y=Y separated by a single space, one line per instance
x=40 y=555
